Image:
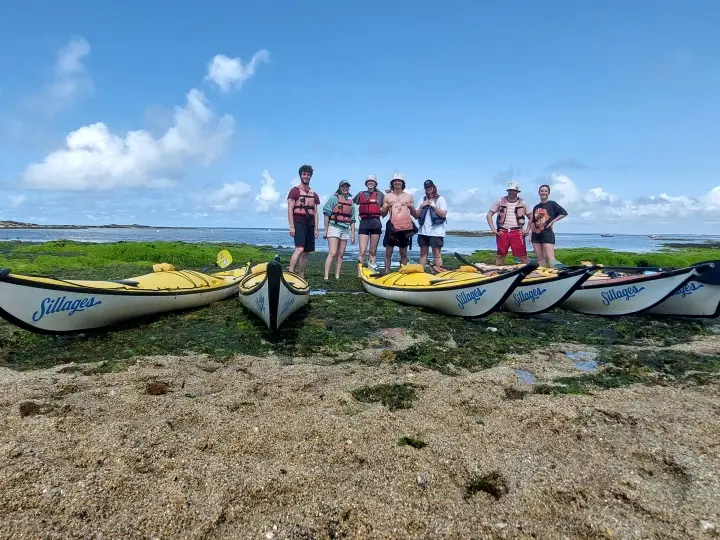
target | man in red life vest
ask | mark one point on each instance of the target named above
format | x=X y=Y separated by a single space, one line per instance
x=512 y=213
x=369 y=204
x=303 y=215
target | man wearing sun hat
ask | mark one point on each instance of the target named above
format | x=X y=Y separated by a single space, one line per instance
x=400 y=228
x=369 y=204
x=509 y=228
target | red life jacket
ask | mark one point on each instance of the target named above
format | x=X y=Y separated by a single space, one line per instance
x=369 y=208
x=342 y=211
x=305 y=203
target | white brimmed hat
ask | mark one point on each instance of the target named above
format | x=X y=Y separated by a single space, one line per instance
x=514 y=186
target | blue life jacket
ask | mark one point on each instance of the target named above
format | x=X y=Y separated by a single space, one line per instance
x=434 y=218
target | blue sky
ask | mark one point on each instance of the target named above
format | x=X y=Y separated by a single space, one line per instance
x=171 y=122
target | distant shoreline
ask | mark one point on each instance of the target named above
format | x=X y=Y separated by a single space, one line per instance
x=22 y=225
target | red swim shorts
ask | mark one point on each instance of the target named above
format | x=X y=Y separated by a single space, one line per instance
x=511 y=240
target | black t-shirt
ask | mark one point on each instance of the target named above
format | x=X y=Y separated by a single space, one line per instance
x=543 y=213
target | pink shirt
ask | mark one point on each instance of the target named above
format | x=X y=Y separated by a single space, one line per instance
x=400 y=210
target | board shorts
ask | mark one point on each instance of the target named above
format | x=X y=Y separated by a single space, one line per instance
x=430 y=241
x=399 y=239
x=543 y=237
x=511 y=240
x=304 y=236
x=333 y=231
x=368 y=232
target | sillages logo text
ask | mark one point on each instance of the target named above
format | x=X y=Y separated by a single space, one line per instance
x=470 y=296
x=521 y=297
x=616 y=294
x=61 y=304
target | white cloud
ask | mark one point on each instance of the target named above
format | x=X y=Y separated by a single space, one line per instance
x=268 y=197
x=16 y=200
x=226 y=72
x=70 y=80
x=228 y=197
x=96 y=159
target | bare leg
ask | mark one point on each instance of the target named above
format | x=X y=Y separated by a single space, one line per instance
x=437 y=256
x=362 y=246
x=342 y=244
x=423 y=255
x=374 y=240
x=403 y=256
x=302 y=264
x=388 y=257
x=332 y=250
x=549 y=253
x=294 y=258
x=539 y=253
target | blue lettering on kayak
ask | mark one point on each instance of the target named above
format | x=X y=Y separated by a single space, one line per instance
x=470 y=296
x=688 y=289
x=61 y=304
x=616 y=294
x=287 y=305
x=521 y=297
x=260 y=303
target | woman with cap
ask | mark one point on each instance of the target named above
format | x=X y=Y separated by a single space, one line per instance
x=369 y=204
x=432 y=212
x=340 y=217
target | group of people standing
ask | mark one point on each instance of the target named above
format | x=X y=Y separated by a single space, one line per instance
x=513 y=222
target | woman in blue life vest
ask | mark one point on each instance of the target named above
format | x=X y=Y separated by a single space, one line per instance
x=340 y=217
x=369 y=204
x=432 y=214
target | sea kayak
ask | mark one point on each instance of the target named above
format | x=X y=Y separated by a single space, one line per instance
x=614 y=293
x=50 y=305
x=699 y=297
x=273 y=295
x=460 y=293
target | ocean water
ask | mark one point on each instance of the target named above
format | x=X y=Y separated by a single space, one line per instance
x=279 y=238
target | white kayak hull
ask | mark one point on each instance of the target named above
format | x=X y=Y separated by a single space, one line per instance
x=626 y=295
x=539 y=296
x=273 y=300
x=61 y=310
x=699 y=297
x=475 y=299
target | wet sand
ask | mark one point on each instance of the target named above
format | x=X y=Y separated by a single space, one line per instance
x=270 y=448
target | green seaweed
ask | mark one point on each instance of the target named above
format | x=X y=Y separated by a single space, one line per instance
x=392 y=396
x=418 y=444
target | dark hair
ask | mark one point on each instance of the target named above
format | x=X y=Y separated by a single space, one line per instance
x=544 y=185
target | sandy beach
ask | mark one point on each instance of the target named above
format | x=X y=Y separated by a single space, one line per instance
x=278 y=447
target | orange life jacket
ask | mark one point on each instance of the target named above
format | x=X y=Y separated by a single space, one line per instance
x=305 y=203
x=342 y=211
x=368 y=208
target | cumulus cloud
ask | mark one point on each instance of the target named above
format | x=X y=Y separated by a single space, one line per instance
x=94 y=158
x=229 y=196
x=268 y=197
x=226 y=72
x=595 y=204
x=70 y=80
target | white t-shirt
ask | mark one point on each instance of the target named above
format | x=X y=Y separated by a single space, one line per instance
x=427 y=228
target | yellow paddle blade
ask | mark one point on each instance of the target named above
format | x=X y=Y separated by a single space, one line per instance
x=224 y=258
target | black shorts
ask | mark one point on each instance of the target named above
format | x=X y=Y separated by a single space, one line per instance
x=543 y=237
x=399 y=239
x=304 y=236
x=370 y=231
x=431 y=241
